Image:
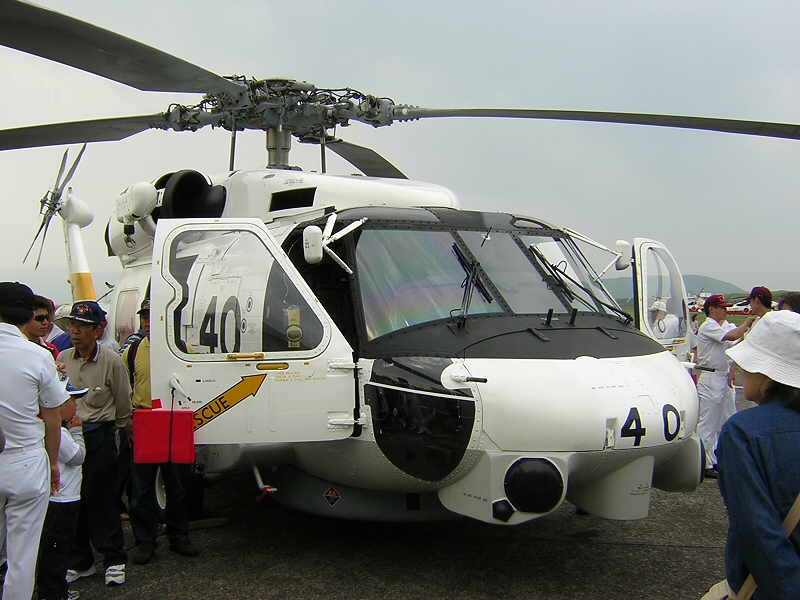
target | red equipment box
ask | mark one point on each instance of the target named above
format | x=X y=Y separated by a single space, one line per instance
x=161 y=435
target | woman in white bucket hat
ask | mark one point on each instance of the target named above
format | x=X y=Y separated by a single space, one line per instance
x=759 y=460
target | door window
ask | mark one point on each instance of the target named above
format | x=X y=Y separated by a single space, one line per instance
x=126 y=321
x=235 y=298
x=663 y=287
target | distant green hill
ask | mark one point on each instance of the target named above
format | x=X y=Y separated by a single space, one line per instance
x=697 y=283
x=622 y=287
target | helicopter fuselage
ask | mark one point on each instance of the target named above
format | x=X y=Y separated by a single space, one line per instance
x=469 y=365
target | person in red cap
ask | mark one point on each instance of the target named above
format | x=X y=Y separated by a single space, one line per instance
x=760 y=299
x=717 y=402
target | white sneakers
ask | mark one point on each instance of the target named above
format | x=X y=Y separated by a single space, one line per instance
x=115 y=575
x=74 y=575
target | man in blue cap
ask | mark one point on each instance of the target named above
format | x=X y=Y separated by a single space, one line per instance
x=104 y=411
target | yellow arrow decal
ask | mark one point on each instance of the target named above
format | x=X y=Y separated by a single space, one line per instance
x=248 y=386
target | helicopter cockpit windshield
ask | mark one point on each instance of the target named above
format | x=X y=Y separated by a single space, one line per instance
x=408 y=276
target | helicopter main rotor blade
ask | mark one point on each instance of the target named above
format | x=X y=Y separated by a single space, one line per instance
x=97 y=130
x=46 y=33
x=365 y=160
x=762 y=128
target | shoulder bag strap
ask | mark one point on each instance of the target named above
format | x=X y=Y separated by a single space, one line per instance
x=789 y=523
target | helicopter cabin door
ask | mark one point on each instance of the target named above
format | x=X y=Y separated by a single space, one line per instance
x=661 y=309
x=238 y=338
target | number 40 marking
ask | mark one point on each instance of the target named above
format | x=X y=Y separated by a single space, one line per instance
x=633 y=424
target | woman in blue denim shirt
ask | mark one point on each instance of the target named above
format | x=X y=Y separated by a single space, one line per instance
x=759 y=460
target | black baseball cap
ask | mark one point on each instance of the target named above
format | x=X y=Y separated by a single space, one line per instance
x=16 y=300
x=145 y=308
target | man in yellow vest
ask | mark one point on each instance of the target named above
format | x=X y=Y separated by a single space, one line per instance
x=144 y=507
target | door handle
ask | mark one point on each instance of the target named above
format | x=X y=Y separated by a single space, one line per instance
x=175 y=384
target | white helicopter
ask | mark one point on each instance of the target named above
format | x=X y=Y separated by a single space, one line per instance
x=366 y=346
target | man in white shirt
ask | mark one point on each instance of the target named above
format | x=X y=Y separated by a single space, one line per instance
x=664 y=324
x=717 y=401
x=29 y=463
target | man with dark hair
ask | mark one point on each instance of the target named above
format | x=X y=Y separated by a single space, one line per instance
x=760 y=299
x=38 y=327
x=717 y=403
x=29 y=463
x=105 y=411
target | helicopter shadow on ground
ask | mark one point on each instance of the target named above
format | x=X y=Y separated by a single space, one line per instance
x=268 y=551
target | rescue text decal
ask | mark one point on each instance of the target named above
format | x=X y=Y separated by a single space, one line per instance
x=248 y=386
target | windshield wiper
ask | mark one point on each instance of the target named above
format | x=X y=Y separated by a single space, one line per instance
x=562 y=278
x=619 y=311
x=554 y=276
x=471 y=282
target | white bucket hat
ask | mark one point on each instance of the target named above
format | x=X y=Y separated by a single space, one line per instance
x=772 y=348
x=61 y=316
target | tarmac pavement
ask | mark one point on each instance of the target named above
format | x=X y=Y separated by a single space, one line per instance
x=268 y=551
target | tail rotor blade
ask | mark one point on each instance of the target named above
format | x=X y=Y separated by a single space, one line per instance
x=51 y=201
x=71 y=172
x=61 y=168
x=38 y=231
x=45 y=225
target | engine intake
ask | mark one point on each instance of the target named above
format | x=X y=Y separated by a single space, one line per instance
x=188 y=194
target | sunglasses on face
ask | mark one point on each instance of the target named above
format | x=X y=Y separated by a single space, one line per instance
x=41 y=318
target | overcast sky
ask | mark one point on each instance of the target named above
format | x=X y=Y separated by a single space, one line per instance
x=725 y=205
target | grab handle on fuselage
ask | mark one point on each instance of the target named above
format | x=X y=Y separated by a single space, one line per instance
x=694 y=367
x=465 y=378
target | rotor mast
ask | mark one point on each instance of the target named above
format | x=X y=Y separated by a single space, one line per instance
x=279 y=143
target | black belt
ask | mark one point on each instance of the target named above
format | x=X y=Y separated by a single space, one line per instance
x=104 y=426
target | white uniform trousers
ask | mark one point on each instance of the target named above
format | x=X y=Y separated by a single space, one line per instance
x=717 y=405
x=24 y=493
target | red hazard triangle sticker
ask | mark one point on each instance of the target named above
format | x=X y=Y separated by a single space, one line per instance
x=331 y=495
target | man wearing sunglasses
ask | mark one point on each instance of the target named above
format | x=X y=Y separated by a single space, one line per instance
x=39 y=326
